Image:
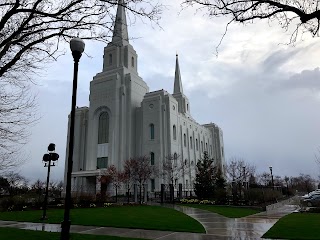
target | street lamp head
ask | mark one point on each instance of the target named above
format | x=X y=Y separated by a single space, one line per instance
x=51 y=147
x=54 y=156
x=270 y=168
x=46 y=157
x=77 y=45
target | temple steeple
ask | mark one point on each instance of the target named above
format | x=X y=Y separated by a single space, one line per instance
x=119 y=53
x=120 y=31
x=183 y=102
x=177 y=78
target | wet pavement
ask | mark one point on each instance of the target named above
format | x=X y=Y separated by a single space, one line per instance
x=220 y=227
x=216 y=226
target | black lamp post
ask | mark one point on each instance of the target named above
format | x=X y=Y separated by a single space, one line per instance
x=77 y=47
x=244 y=177
x=271 y=177
x=47 y=158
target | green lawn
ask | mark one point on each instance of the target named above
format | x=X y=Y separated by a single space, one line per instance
x=296 y=226
x=227 y=211
x=144 y=217
x=18 y=234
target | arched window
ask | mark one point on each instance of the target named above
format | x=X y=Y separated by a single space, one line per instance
x=184 y=140
x=152 y=158
x=110 y=59
x=197 y=145
x=151 y=131
x=174 y=132
x=185 y=162
x=191 y=142
x=207 y=147
x=132 y=61
x=201 y=146
x=103 y=132
x=175 y=158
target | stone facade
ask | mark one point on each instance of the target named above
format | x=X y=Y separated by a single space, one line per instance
x=135 y=122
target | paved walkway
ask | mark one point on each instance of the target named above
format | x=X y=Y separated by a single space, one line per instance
x=217 y=227
x=251 y=227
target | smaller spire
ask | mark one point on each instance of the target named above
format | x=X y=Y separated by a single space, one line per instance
x=120 y=31
x=177 y=78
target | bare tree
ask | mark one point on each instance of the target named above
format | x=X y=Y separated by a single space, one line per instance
x=16 y=181
x=239 y=173
x=56 y=188
x=278 y=181
x=238 y=170
x=4 y=185
x=105 y=180
x=115 y=178
x=31 y=31
x=264 y=179
x=128 y=175
x=31 y=35
x=11 y=157
x=303 y=183
x=38 y=187
x=142 y=171
x=173 y=167
x=304 y=15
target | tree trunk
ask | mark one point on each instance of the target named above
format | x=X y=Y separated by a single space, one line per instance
x=128 y=192
x=116 y=194
x=140 y=193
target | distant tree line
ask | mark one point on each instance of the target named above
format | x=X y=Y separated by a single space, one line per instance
x=16 y=192
x=240 y=184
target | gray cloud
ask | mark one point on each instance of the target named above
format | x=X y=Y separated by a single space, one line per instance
x=277 y=58
x=307 y=79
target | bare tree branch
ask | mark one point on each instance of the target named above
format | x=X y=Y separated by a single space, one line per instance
x=173 y=168
x=31 y=32
x=303 y=14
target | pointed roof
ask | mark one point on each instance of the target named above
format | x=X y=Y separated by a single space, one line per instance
x=177 y=78
x=120 y=31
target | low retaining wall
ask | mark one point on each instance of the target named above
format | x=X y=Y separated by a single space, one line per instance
x=291 y=200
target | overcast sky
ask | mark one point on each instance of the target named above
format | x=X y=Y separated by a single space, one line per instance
x=264 y=94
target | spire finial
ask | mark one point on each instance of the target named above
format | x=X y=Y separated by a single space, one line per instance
x=177 y=78
x=120 y=31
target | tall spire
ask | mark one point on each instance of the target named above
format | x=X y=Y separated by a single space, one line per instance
x=177 y=78
x=120 y=31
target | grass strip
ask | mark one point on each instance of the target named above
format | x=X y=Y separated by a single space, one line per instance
x=296 y=226
x=227 y=211
x=142 y=217
x=18 y=234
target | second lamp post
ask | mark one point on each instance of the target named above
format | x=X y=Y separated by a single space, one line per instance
x=271 y=177
x=47 y=158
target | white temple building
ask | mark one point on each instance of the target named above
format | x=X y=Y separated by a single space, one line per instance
x=125 y=120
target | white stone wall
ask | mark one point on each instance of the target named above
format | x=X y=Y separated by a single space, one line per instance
x=161 y=109
x=80 y=136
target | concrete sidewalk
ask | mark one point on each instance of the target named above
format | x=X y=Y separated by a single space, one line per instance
x=217 y=226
